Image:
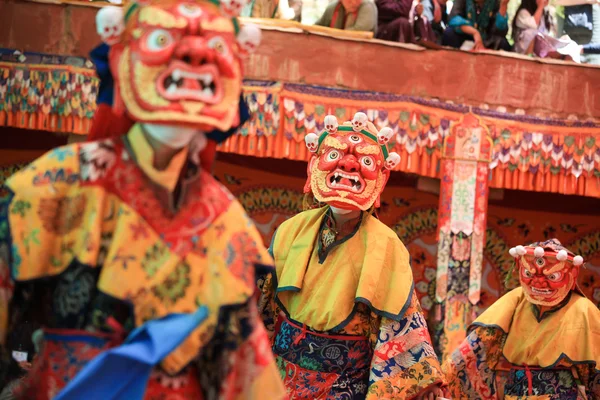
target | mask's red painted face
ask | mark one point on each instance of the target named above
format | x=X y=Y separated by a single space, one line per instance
x=348 y=172
x=546 y=281
x=178 y=63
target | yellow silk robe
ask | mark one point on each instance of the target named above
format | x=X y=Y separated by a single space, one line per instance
x=362 y=286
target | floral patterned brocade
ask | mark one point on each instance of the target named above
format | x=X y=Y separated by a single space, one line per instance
x=62 y=356
x=320 y=366
x=555 y=384
x=107 y=247
x=469 y=371
x=404 y=363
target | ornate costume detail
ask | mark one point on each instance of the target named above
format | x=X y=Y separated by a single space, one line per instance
x=175 y=284
x=349 y=325
x=351 y=164
x=96 y=159
x=62 y=215
x=547 y=271
x=535 y=341
x=118 y=237
x=163 y=76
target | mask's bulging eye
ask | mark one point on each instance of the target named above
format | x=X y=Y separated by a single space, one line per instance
x=355 y=139
x=540 y=262
x=333 y=155
x=527 y=273
x=218 y=44
x=159 y=40
x=368 y=163
x=555 y=277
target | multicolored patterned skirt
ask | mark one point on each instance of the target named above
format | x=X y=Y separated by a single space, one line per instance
x=318 y=366
x=65 y=352
x=522 y=383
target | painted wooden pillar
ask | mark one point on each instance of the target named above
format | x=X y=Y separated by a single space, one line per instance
x=462 y=216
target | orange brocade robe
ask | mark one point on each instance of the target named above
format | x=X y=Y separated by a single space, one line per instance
x=108 y=242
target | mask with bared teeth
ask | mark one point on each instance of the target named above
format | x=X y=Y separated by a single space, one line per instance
x=350 y=165
x=179 y=62
x=547 y=271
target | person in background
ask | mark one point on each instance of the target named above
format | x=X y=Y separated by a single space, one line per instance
x=403 y=21
x=485 y=22
x=590 y=48
x=350 y=15
x=534 y=32
x=531 y=18
x=341 y=310
x=538 y=341
x=278 y=9
x=436 y=12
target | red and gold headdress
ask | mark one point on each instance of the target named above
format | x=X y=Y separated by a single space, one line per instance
x=547 y=271
x=350 y=164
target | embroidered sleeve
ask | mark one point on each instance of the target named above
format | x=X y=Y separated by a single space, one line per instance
x=594 y=385
x=267 y=308
x=404 y=363
x=588 y=380
x=239 y=360
x=469 y=370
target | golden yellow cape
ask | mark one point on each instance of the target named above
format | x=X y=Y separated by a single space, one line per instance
x=570 y=334
x=372 y=267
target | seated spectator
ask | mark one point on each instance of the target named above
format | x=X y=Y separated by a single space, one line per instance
x=484 y=22
x=403 y=21
x=534 y=31
x=350 y=15
x=435 y=11
x=278 y=9
x=531 y=18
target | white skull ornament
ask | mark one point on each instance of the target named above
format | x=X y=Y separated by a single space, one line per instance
x=249 y=38
x=331 y=124
x=359 y=122
x=384 y=135
x=110 y=24
x=312 y=142
x=233 y=8
x=392 y=161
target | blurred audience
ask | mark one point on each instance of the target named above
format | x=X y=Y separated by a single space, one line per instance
x=436 y=12
x=279 y=9
x=534 y=32
x=403 y=21
x=484 y=22
x=590 y=48
x=351 y=15
x=531 y=18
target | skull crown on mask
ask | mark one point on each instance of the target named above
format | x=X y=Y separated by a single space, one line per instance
x=547 y=271
x=350 y=165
